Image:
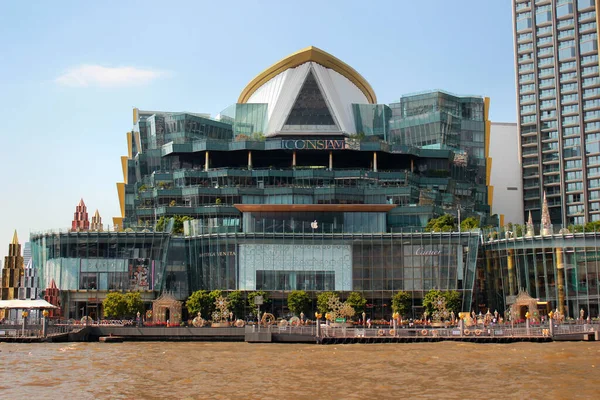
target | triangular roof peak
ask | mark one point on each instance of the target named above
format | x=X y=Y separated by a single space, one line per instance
x=310 y=98
x=166 y=297
x=15 y=239
x=310 y=53
x=81 y=203
x=524 y=296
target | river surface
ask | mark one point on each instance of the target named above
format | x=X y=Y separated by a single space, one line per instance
x=192 y=370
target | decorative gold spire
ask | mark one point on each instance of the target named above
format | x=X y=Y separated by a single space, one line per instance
x=12 y=272
x=546 y=222
x=96 y=224
x=530 y=220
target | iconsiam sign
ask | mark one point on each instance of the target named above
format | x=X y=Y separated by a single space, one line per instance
x=310 y=144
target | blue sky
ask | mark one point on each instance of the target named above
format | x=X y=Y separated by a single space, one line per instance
x=70 y=73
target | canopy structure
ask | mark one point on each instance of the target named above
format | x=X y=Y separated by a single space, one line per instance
x=26 y=304
x=309 y=92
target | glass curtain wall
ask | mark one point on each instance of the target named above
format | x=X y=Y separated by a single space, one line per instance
x=98 y=262
x=377 y=265
x=538 y=265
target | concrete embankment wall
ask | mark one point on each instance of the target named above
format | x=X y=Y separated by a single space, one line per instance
x=92 y=333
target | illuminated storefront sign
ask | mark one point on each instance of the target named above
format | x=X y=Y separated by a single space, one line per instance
x=218 y=253
x=421 y=251
x=315 y=144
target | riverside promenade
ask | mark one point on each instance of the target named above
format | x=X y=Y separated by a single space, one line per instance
x=324 y=334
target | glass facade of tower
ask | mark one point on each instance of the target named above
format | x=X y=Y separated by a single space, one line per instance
x=440 y=120
x=558 y=90
x=425 y=154
x=308 y=209
x=562 y=270
x=306 y=183
x=87 y=265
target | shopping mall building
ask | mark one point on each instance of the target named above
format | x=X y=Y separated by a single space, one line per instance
x=305 y=183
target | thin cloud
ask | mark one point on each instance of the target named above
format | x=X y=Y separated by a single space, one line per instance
x=97 y=75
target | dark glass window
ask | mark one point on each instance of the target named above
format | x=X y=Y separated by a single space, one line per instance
x=88 y=281
x=310 y=107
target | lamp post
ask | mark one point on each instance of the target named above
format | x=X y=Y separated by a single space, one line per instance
x=318 y=317
x=45 y=314
x=258 y=300
x=24 y=314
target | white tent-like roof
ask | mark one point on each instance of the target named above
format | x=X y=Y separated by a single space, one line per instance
x=25 y=304
x=328 y=80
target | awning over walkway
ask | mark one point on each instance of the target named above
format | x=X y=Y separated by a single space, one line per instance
x=25 y=304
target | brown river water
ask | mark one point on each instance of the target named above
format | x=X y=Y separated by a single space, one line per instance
x=192 y=370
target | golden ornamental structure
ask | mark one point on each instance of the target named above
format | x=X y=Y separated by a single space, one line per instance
x=13 y=271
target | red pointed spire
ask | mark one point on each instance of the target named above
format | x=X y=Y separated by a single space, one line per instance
x=52 y=296
x=80 y=220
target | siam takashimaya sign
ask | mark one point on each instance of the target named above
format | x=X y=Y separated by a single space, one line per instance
x=313 y=144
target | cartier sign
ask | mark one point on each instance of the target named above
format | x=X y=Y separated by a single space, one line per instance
x=422 y=252
x=316 y=144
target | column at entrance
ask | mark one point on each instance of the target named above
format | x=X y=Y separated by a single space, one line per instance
x=560 y=279
x=374 y=161
x=510 y=263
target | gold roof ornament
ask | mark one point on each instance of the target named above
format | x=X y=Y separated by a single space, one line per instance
x=15 y=239
x=305 y=55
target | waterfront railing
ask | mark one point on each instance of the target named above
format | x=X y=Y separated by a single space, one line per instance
x=539 y=331
x=304 y=330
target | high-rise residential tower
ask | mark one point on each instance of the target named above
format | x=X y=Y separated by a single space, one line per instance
x=26 y=253
x=558 y=100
